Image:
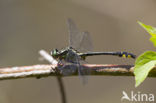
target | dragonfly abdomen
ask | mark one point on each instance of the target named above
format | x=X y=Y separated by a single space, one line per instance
x=120 y=54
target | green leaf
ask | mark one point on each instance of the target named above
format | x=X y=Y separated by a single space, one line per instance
x=143 y=65
x=151 y=30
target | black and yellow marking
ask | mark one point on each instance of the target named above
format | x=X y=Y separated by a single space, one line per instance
x=126 y=55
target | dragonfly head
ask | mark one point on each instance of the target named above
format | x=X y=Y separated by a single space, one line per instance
x=55 y=53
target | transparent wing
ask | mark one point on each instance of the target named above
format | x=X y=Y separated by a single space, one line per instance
x=72 y=57
x=86 y=43
x=83 y=72
x=81 y=41
x=67 y=68
x=74 y=34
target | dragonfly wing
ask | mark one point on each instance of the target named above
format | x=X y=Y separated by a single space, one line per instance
x=81 y=70
x=72 y=57
x=86 y=42
x=68 y=68
x=81 y=41
x=65 y=68
x=75 y=36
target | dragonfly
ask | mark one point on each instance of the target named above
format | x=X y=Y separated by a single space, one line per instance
x=80 y=47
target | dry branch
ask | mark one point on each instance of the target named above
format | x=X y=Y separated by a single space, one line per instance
x=42 y=70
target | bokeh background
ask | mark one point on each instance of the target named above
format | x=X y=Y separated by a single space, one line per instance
x=26 y=26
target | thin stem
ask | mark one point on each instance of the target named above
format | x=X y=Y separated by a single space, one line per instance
x=62 y=90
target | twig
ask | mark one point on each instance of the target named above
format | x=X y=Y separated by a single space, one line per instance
x=25 y=71
x=44 y=70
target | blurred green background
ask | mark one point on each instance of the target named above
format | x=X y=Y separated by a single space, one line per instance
x=26 y=26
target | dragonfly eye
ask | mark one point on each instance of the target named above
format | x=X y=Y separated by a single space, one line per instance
x=54 y=53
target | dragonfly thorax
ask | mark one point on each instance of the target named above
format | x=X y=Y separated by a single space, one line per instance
x=62 y=54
